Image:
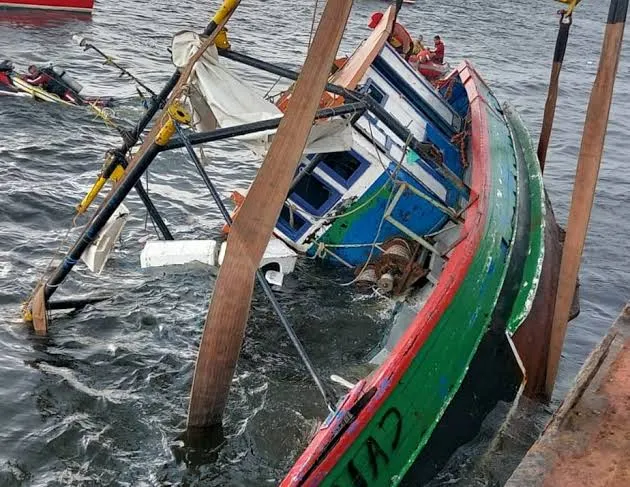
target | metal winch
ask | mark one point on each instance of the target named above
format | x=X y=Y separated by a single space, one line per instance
x=395 y=270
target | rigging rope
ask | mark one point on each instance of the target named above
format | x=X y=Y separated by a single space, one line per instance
x=393 y=182
x=310 y=37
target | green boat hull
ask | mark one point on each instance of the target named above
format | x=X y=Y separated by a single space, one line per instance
x=381 y=440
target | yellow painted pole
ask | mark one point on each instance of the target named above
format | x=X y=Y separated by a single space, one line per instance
x=586 y=181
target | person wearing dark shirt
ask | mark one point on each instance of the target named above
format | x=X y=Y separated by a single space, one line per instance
x=437 y=54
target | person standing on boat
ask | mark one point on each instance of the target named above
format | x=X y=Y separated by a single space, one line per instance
x=437 y=54
x=400 y=38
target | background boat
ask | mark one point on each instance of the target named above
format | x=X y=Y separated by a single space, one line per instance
x=38 y=18
x=69 y=5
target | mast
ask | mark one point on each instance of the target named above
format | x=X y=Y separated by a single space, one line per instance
x=160 y=134
x=229 y=308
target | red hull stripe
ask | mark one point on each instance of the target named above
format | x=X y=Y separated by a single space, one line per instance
x=408 y=347
x=82 y=5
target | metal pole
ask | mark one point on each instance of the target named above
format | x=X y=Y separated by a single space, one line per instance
x=90 y=233
x=552 y=95
x=108 y=60
x=253 y=127
x=148 y=203
x=328 y=395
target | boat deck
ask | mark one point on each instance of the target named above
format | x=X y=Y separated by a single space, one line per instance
x=587 y=442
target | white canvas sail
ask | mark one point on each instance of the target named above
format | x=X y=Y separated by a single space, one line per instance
x=218 y=98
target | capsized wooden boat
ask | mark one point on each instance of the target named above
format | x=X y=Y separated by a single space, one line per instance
x=69 y=5
x=458 y=240
x=384 y=422
x=435 y=197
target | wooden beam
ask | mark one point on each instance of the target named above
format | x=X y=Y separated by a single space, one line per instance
x=229 y=308
x=586 y=180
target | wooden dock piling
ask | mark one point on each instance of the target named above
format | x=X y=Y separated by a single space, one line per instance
x=586 y=181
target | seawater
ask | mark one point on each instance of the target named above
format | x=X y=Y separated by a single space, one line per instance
x=102 y=399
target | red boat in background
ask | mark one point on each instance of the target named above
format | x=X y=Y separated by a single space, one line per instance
x=71 y=5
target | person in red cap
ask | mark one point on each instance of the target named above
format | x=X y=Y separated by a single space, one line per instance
x=400 y=38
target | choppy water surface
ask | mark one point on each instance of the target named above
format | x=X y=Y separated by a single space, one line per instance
x=102 y=399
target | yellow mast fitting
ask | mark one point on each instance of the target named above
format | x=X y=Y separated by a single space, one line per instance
x=571 y=4
x=221 y=40
x=87 y=201
x=116 y=174
x=27 y=313
x=176 y=113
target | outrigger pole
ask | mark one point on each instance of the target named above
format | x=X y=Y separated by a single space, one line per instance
x=36 y=310
x=586 y=176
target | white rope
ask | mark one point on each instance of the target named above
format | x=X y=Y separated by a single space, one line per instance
x=310 y=37
x=389 y=200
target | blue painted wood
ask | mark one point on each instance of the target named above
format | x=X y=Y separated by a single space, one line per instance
x=322 y=209
x=402 y=76
x=433 y=120
x=414 y=212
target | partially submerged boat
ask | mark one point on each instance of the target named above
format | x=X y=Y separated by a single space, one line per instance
x=449 y=233
x=433 y=197
x=13 y=83
x=459 y=268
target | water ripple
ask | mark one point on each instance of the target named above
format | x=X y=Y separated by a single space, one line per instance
x=102 y=400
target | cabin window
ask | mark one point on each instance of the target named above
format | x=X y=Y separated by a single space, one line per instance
x=343 y=164
x=344 y=167
x=312 y=190
x=314 y=195
x=375 y=92
x=292 y=223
